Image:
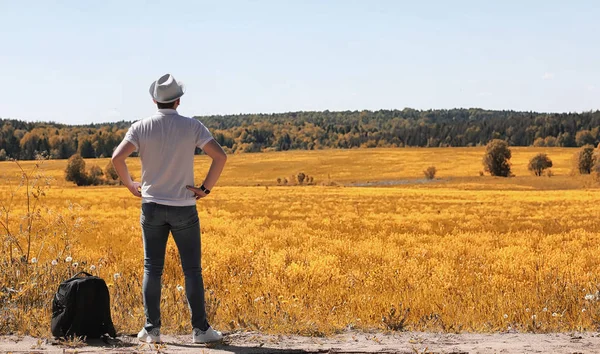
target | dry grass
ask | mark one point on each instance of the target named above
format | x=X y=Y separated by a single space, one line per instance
x=467 y=253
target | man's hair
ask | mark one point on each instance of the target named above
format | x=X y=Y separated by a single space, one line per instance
x=166 y=105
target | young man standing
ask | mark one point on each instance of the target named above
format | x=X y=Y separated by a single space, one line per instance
x=166 y=142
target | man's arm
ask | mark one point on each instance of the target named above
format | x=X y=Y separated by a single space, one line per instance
x=218 y=156
x=118 y=159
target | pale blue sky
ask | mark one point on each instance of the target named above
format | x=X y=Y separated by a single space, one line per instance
x=93 y=61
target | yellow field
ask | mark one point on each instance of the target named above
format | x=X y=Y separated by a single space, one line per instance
x=463 y=253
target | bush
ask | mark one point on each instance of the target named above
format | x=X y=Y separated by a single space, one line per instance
x=539 y=163
x=430 y=172
x=299 y=179
x=496 y=160
x=301 y=176
x=95 y=176
x=75 y=171
x=3 y=156
x=584 y=160
x=110 y=172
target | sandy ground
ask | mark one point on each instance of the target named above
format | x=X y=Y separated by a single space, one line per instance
x=350 y=342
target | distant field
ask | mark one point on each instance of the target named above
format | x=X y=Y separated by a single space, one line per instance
x=462 y=253
x=343 y=166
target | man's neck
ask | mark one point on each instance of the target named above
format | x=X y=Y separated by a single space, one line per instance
x=167 y=110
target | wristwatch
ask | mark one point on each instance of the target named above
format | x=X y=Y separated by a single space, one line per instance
x=204 y=189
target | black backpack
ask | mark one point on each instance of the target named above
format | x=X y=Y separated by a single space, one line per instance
x=81 y=307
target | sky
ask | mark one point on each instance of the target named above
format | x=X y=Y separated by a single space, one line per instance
x=81 y=62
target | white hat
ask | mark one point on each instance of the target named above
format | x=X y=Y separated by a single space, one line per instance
x=166 y=89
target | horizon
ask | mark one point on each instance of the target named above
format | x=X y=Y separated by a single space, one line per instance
x=292 y=112
x=92 y=63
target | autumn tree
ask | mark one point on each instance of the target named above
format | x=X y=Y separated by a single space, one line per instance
x=584 y=159
x=539 y=163
x=584 y=137
x=496 y=160
x=75 y=171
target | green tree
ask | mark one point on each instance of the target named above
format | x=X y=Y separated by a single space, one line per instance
x=86 y=149
x=496 y=160
x=539 y=163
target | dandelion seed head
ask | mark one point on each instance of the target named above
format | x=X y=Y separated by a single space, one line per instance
x=545 y=309
x=92 y=267
x=34 y=260
x=69 y=259
x=590 y=297
x=116 y=276
x=179 y=288
x=582 y=310
x=533 y=317
x=527 y=309
x=505 y=316
x=75 y=265
x=554 y=314
x=54 y=262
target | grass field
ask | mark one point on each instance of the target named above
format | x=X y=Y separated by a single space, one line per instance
x=462 y=253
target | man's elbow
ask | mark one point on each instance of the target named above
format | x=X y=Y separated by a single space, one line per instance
x=223 y=157
x=117 y=157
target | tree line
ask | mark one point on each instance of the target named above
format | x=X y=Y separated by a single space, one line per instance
x=321 y=130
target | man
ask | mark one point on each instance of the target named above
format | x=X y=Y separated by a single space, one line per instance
x=166 y=143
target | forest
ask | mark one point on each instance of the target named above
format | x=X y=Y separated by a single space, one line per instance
x=245 y=133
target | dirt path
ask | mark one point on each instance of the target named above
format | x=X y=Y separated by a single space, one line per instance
x=350 y=342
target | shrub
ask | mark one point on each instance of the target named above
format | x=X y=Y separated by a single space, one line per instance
x=110 y=172
x=430 y=172
x=95 y=176
x=75 y=171
x=3 y=156
x=301 y=176
x=539 y=163
x=497 y=156
x=584 y=160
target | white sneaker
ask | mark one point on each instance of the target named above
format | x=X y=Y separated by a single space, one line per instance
x=208 y=336
x=149 y=337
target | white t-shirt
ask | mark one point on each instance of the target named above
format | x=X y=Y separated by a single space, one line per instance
x=166 y=143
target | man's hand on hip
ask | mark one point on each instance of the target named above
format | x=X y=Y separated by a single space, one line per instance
x=197 y=191
x=134 y=188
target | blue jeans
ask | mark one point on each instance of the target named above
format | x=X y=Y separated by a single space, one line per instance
x=157 y=221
